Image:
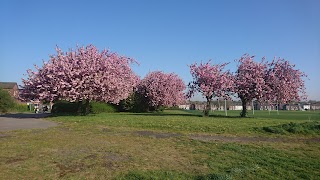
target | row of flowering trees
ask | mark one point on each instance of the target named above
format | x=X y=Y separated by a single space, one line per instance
x=277 y=82
x=86 y=74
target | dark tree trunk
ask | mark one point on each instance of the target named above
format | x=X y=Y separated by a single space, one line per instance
x=79 y=107
x=244 y=108
x=208 y=107
x=87 y=111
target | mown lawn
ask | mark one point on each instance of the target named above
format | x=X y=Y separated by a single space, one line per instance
x=169 y=145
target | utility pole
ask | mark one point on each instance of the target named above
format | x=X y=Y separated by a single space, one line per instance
x=252 y=108
x=225 y=107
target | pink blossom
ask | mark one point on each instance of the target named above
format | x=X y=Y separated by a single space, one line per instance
x=210 y=81
x=162 y=89
x=82 y=74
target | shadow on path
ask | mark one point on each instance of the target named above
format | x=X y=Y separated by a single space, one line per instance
x=25 y=115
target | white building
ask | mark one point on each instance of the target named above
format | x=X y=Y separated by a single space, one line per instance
x=184 y=106
x=306 y=107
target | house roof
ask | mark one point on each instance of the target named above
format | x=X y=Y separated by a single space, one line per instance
x=7 y=85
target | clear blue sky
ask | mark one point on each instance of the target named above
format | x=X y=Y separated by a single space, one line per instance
x=163 y=35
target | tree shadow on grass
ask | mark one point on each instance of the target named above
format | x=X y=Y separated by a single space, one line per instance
x=165 y=114
x=223 y=116
x=66 y=114
x=187 y=115
x=26 y=115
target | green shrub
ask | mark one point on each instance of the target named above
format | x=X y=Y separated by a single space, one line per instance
x=66 y=107
x=19 y=108
x=100 y=107
x=173 y=108
x=6 y=101
x=295 y=128
x=134 y=103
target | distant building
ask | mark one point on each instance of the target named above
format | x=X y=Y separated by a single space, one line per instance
x=11 y=87
x=306 y=107
x=315 y=106
x=184 y=106
x=214 y=106
x=236 y=107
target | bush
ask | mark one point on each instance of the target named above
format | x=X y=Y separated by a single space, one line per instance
x=134 y=103
x=19 y=108
x=65 y=107
x=6 y=101
x=295 y=128
x=100 y=107
x=173 y=108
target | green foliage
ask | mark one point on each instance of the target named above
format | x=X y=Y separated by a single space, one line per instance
x=19 y=108
x=100 y=107
x=6 y=101
x=134 y=103
x=295 y=128
x=173 y=108
x=65 y=107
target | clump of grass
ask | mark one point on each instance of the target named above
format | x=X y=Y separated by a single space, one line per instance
x=160 y=174
x=295 y=128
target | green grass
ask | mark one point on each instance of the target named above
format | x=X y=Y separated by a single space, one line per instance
x=285 y=115
x=126 y=146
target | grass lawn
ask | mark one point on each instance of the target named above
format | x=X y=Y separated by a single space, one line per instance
x=170 y=145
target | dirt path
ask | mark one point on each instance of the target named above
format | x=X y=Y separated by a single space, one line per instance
x=24 y=121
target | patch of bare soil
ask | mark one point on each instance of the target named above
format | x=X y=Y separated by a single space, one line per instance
x=4 y=136
x=15 y=159
x=208 y=138
x=157 y=134
x=113 y=160
x=72 y=168
x=107 y=130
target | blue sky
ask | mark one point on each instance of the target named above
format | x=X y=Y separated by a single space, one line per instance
x=163 y=35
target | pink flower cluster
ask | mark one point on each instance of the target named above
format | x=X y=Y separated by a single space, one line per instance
x=284 y=82
x=277 y=82
x=162 y=89
x=82 y=74
x=250 y=78
x=210 y=80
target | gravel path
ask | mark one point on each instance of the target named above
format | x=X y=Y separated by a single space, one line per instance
x=24 y=121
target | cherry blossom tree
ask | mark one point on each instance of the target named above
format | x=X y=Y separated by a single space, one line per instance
x=162 y=89
x=211 y=81
x=83 y=74
x=249 y=81
x=285 y=83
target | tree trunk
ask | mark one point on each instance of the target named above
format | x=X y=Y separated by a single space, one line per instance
x=79 y=107
x=87 y=107
x=244 y=108
x=278 y=108
x=208 y=107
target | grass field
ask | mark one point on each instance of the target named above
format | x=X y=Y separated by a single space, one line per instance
x=170 y=145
